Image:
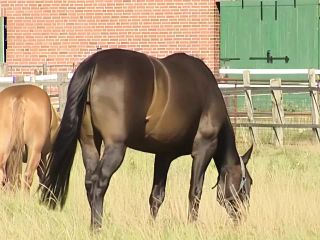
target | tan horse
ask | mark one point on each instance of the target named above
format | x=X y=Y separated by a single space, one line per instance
x=28 y=126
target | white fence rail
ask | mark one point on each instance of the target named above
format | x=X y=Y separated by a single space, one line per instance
x=276 y=89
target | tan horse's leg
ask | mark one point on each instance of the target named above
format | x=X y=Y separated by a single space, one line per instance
x=36 y=135
x=6 y=138
x=34 y=157
x=42 y=167
x=3 y=160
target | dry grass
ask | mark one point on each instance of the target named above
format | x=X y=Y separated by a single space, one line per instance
x=284 y=202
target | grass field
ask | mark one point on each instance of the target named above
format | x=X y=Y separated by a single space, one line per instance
x=284 y=203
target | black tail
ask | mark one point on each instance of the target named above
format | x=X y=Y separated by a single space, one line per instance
x=56 y=178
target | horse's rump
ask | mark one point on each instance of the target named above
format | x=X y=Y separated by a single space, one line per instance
x=25 y=117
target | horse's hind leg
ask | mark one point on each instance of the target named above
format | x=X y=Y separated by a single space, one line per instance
x=90 y=156
x=6 y=136
x=90 y=141
x=34 y=157
x=161 y=167
x=111 y=160
x=3 y=160
x=42 y=167
x=4 y=154
x=204 y=147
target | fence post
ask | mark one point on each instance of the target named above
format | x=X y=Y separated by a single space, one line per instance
x=249 y=104
x=63 y=86
x=277 y=110
x=3 y=70
x=314 y=103
x=44 y=69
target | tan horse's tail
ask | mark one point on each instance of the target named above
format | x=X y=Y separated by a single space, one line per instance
x=14 y=163
x=54 y=124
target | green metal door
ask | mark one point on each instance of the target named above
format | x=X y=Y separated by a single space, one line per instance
x=269 y=34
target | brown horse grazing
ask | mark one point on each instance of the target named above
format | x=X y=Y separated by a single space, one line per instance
x=170 y=107
x=28 y=126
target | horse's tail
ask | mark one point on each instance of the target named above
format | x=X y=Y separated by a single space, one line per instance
x=14 y=163
x=54 y=126
x=56 y=177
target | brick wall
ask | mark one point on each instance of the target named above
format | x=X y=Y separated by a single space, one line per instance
x=60 y=33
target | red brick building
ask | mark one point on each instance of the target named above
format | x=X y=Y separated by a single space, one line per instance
x=62 y=33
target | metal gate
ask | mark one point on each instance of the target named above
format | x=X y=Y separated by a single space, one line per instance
x=269 y=34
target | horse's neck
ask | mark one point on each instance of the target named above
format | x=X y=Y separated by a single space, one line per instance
x=226 y=153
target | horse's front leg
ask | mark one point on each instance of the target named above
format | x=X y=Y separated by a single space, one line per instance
x=202 y=153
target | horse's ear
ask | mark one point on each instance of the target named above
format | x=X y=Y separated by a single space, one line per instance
x=247 y=155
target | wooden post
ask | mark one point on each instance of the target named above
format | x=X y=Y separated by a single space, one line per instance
x=44 y=69
x=314 y=104
x=277 y=110
x=63 y=87
x=249 y=104
x=3 y=70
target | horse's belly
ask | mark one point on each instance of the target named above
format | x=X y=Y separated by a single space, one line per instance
x=164 y=132
x=170 y=134
x=155 y=146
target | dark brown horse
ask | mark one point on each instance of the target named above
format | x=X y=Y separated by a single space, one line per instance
x=169 y=107
x=28 y=126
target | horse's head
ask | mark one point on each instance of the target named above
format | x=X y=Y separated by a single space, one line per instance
x=233 y=187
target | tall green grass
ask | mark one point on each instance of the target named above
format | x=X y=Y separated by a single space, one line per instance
x=285 y=202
